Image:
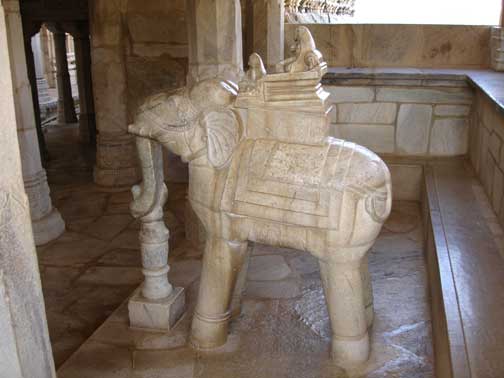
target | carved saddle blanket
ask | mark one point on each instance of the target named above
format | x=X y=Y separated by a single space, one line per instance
x=296 y=183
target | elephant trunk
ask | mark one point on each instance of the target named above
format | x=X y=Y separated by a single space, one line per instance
x=151 y=163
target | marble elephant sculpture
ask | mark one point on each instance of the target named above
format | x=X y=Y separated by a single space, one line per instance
x=329 y=200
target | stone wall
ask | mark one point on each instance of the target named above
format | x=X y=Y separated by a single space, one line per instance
x=487 y=151
x=422 y=46
x=402 y=116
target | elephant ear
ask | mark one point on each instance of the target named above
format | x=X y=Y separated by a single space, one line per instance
x=223 y=133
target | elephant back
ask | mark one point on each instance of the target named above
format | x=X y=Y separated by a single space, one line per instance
x=303 y=184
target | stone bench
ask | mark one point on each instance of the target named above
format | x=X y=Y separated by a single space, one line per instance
x=465 y=259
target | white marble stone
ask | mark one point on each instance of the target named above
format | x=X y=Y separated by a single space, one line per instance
x=350 y=94
x=378 y=138
x=449 y=137
x=367 y=113
x=425 y=96
x=452 y=110
x=413 y=127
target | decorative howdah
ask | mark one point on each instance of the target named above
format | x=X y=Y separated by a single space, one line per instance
x=262 y=168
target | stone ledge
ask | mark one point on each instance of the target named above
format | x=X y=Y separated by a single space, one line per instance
x=489 y=82
x=465 y=267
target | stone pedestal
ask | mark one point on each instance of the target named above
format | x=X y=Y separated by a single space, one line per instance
x=25 y=349
x=66 y=108
x=156 y=315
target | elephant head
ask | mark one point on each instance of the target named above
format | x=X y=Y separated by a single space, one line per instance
x=192 y=123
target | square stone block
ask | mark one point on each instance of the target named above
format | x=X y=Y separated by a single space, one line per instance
x=156 y=316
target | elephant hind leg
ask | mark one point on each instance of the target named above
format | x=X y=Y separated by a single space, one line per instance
x=222 y=262
x=367 y=291
x=344 y=291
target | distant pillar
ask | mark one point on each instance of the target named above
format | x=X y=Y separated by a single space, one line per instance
x=47 y=223
x=29 y=30
x=66 y=108
x=269 y=20
x=46 y=47
x=116 y=157
x=215 y=39
x=87 y=124
x=25 y=350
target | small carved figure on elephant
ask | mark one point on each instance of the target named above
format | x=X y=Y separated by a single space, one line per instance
x=306 y=56
x=329 y=199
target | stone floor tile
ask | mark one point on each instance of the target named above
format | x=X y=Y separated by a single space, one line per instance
x=78 y=224
x=83 y=205
x=273 y=289
x=98 y=360
x=122 y=257
x=267 y=268
x=73 y=253
x=127 y=239
x=184 y=272
x=304 y=264
x=108 y=226
x=111 y=276
x=178 y=363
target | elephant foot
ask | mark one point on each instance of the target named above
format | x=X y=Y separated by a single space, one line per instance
x=348 y=352
x=209 y=332
x=369 y=315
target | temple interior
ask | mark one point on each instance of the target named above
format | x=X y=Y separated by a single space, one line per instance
x=250 y=189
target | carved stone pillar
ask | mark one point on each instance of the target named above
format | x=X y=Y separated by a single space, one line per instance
x=47 y=223
x=116 y=161
x=87 y=125
x=215 y=39
x=25 y=347
x=268 y=16
x=66 y=108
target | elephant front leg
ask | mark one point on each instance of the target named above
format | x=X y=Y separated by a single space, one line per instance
x=222 y=262
x=344 y=292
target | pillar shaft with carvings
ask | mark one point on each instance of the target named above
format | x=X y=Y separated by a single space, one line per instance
x=66 y=108
x=87 y=125
x=26 y=349
x=116 y=161
x=47 y=223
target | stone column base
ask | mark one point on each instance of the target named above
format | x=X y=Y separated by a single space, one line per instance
x=48 y=228
x=156 y=316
